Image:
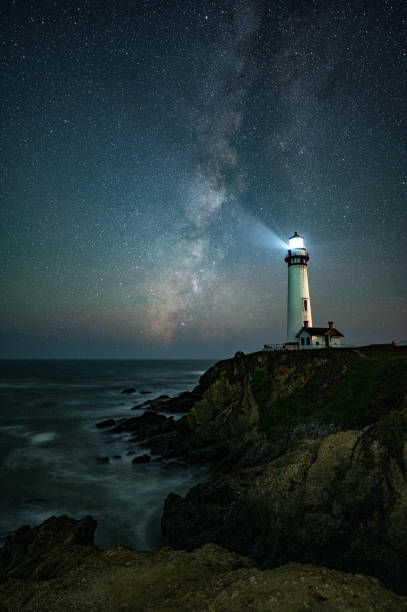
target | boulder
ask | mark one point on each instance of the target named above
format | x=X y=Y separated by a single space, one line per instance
x=107 y=423
x=143 y=425
x=129 y=390
x=142 y=459
x=340 y=502
x=181 y=403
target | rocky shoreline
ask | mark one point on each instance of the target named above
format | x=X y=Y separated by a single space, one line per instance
x=307 y=455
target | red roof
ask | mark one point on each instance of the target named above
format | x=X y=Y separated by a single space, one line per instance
x=320 y=331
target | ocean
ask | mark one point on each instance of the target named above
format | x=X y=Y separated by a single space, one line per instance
x=49 y=446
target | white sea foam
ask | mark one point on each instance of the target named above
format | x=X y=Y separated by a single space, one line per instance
x=17 y=431
x=16 y=385
x=42 y=438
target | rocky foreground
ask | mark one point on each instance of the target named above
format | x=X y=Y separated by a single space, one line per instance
x=308 y=459
x=55 y=567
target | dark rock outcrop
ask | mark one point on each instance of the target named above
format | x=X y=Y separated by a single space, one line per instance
x=42 y=552
x=129 y=390
x=142 y=459
x=340 y=502
x=107 y=423
x=178 y=404
x=145 y=425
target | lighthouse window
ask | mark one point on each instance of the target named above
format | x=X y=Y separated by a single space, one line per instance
x=302 y=340
x=308 y=340
x=305 y=305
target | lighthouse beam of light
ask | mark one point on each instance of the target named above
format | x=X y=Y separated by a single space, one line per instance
x=257 y=233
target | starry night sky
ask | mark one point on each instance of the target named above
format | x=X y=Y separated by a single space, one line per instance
x=156 y=156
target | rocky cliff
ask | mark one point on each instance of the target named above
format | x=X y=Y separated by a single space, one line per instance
x=254 y=407
x=311 y=461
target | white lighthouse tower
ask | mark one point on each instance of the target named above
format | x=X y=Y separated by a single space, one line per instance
x=299 y=303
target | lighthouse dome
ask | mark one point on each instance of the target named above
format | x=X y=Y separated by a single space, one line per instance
x=296 y=242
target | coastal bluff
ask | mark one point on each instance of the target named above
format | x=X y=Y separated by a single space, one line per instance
x=310 y=461
x=252 y=408
x=305 y=506
x=282 y=396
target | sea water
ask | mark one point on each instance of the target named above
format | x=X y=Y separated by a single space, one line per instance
x=50 y=445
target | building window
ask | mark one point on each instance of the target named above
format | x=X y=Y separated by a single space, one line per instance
x=308 y=340
x=302 y=340
x=305 y=305
x=317 y=343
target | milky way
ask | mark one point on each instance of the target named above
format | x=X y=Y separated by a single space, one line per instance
x=157 y=155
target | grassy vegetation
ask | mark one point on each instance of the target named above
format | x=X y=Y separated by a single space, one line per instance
x=371 y=391
x=353 y=396
x=258 y=379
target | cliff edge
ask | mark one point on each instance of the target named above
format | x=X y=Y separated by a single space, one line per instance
x=310 y=461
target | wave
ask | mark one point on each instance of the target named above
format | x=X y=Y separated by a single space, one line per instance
x=42 y=438
x=18 y=431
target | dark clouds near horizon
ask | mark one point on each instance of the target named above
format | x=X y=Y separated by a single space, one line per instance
x=156 y=156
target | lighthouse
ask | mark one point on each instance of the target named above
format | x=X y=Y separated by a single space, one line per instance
x=301 y=335
x=298 y=303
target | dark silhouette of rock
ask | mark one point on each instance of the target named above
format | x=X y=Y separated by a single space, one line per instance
x=41 y=552
x=338 y=502
x=145 y=424
x=107 y=423
x=129 y=390
x=181 y=403
x=142 y=459
x=145 y=392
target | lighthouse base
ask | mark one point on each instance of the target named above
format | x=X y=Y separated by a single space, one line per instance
x=291 y=346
